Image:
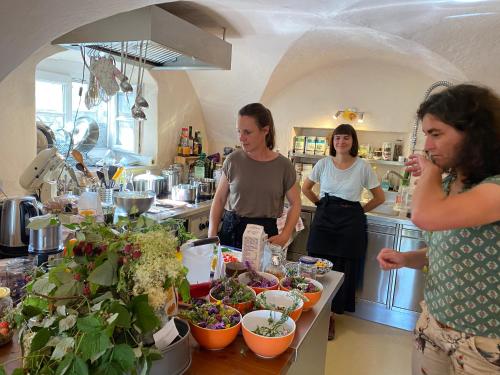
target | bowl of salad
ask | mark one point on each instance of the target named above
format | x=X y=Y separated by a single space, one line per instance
x=312 y=289
x=323 y=266
x=230 y=291
x=267 y=333
x=259 y=281
x=213 y=325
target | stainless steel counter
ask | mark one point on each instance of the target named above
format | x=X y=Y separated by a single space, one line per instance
x=312 y=330
x=386 y=297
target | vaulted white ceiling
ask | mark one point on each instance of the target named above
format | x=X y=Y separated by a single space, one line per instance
x=277 y=42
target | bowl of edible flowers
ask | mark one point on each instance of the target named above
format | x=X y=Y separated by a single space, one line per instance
x=268 y=333
x=213 y=325
x=230 y=291
x=311 y=289
x=290 y=302
x=259 y=281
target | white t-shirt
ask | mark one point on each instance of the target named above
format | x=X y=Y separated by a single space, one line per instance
x=346 y=184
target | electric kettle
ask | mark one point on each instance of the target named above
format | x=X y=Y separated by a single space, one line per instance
x=14 y=217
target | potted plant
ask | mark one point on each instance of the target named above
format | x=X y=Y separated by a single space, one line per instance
x=95 y=310
x=213 y=325
x=231 y=292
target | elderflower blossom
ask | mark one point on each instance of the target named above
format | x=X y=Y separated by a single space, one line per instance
x=156 y=265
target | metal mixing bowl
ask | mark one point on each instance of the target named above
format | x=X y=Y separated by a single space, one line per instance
x=136 y=202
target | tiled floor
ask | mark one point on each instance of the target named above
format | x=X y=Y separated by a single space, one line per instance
x=365 y=348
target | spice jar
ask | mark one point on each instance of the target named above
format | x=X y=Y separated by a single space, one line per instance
x=307 y=266
x=276 y=266
x=5 y=301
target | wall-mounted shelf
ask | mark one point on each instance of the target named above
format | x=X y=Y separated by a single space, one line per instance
x=317 y=157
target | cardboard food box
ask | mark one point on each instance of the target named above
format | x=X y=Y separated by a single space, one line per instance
x=252 y=247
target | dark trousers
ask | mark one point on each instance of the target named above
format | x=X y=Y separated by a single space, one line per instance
x=344 y=300
x=233 y=227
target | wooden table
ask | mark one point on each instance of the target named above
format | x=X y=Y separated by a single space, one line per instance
x=306 y=354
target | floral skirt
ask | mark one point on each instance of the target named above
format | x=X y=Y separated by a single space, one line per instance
x=440 y=350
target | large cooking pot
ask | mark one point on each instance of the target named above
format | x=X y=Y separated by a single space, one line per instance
x=46 y=240
x=206 y=188
x=184 y=193
x=150 y=182
x=172 y=177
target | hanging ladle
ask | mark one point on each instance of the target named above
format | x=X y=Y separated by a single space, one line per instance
x=139 y=99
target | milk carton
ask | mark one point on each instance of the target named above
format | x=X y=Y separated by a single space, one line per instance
x=252 y=247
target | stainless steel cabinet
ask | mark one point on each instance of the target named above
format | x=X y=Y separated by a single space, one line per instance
x=299 y=245
x=409 y=283
x=375 y=285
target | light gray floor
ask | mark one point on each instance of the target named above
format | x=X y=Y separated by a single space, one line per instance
x=366 y=348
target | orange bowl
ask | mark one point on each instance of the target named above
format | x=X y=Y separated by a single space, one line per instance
x=215 y=339
x=312 y=297
x=244 y=278
x=242 y=307
x=263 y=346
x=278 y=300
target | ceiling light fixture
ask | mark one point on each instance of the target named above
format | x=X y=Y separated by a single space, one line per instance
x=350 y=114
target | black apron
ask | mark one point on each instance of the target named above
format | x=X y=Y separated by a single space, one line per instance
x=338 y=228
x=233 y=227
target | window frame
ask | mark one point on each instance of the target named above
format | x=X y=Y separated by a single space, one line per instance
x=112 y=117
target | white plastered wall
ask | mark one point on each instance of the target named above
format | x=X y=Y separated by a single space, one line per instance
x=388 y=94
x=177 y=105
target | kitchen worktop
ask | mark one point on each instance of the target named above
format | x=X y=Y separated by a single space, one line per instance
x=159 y=213
x=306 y=354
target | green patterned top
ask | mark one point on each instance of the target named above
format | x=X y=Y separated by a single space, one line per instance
x=463 y=284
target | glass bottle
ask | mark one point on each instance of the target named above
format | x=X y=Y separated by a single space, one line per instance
x=191 y=141
x=276 y=266
x=198 y=142
x=307 y=267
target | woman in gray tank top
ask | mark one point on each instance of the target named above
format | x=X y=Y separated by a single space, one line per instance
x=254 y=183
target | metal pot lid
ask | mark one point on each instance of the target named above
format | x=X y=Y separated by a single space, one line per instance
x=147 y=177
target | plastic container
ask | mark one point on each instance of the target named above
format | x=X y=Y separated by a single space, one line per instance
x=307 y=267
x=13 y=276
x=5 y=301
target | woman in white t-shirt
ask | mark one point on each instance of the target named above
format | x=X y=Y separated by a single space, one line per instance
x=338 y=231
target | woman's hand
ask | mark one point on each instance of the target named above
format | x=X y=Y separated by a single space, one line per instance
x=417 y=164
x=390 y=259
x=280 y=239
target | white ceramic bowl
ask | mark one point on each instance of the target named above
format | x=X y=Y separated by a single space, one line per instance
x=281 y=299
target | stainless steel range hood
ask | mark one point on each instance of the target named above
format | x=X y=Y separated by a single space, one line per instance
x=172 y=42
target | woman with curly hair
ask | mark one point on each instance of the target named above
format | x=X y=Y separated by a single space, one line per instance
x=458 y=331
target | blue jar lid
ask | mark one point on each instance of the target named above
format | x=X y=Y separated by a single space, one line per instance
x=308 y=260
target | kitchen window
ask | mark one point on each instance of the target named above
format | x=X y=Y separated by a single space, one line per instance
x=57 y=102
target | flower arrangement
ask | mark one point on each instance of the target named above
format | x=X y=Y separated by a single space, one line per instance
x=211 y=315
x=300 y=283
x=96 y=308
x=231 y=292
